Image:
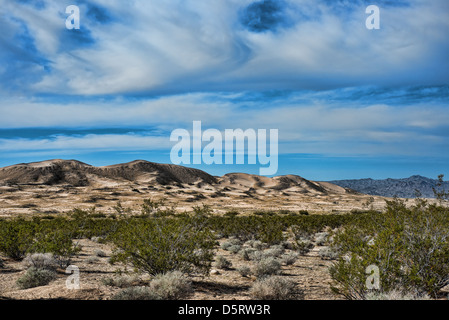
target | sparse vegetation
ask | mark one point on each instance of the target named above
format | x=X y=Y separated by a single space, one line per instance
x=222 y=263
x=36 y=277
x=275 y=288
x=244 y=271
x=266 y=267
x=415 y=239
x=125 y=281
x=172 y=285
x=409 y=245
x=40 y=261
x=160 y=245
x=135 y=294
x=290 y=258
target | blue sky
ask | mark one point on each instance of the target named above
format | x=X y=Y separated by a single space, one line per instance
x=348 y=102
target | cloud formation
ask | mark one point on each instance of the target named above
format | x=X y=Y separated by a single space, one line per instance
x=136 y=70
x=161 y=47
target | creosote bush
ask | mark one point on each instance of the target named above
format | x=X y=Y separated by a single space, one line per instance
x=160 y=245
x=409 y=245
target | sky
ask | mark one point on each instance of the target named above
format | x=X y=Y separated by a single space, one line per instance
x=348 y=102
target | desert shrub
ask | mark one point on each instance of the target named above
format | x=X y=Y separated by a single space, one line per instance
x=270 y=232
x=203 y=211
x=302 y=241
x=92 y=260
x=246 y=253
x=395 y=295
x=257 y=255
x=275 y=251
x=125 y=281
x=164 y=244
x=225 y=245
x=259 y=245
x=410 y=246
x=230 y=242
x=232 y=213
x=287 y=245
x=222 y=263
x=36 y=277
x=100 y=253
x=328 y=253
x=148 y=208
x=303 y=246
x=275 y=288
x=16 y=238
x=59 y=242
x=266 y=267
x=290 y=258
x=244 y=271
x=321 y=238
x=172 y=285
x=135 y=293
x=234 y=248
x=40 y=261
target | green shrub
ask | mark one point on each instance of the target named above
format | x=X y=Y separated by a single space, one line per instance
x=16 y=238
x=164 y=244
x=410 y=246
x=59 y=242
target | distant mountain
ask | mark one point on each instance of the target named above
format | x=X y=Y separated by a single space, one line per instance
x=403 y=188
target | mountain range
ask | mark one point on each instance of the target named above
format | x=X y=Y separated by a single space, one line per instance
x=402 y=188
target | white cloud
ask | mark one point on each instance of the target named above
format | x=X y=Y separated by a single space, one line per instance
x=173 y=46
x=92 y=142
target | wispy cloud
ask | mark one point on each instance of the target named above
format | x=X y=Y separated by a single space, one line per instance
x=136 y=70
x=170 y=46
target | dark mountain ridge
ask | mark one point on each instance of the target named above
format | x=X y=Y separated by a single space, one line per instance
x=403 y=188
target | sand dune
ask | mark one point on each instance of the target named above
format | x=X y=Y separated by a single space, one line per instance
x=61 y=185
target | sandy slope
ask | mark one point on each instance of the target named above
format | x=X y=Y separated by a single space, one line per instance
x=60 y=185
